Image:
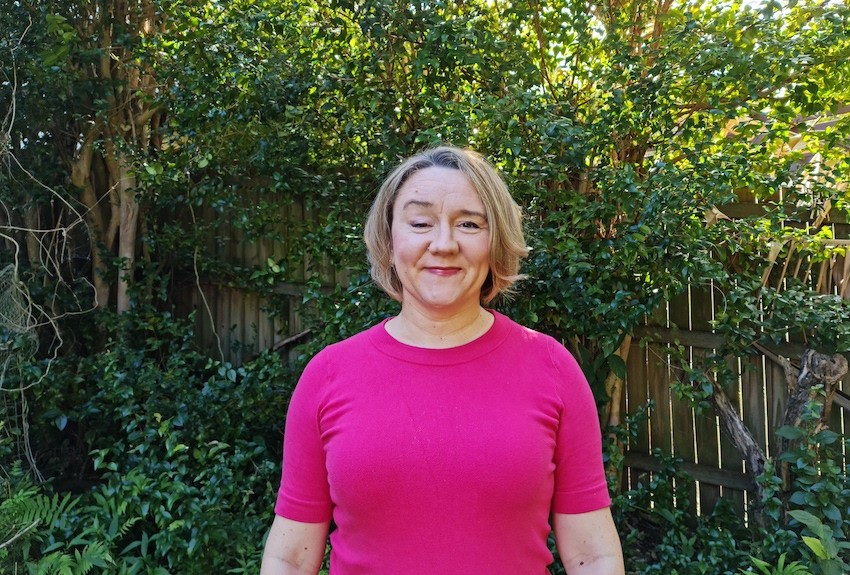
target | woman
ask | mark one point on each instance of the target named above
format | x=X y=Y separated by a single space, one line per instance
x=445 y=439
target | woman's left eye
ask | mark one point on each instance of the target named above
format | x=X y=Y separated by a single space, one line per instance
x=470 y=225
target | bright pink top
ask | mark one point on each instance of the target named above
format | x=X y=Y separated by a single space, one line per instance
x=442 y=461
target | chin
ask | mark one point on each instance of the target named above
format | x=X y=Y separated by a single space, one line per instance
x=448 y=303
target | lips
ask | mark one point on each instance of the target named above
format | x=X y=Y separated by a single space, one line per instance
x=442 y=271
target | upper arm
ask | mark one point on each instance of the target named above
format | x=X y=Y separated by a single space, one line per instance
x=588 y=543
x=580 y=483
x=294 y=547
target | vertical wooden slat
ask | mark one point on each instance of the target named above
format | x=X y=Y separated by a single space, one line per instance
x=776 y=391
x=682 y=419
x=213 y=294
x=237 y=325
x=636 y=396
x=291 y=214
x=753 y=385
x=842 y=428
x=753 y=397
x=224 y=332
x=265 y=329
x=705 y=420
x=708 y=452
x=659 y=391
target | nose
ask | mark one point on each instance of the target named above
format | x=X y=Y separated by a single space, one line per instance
x=444 y=240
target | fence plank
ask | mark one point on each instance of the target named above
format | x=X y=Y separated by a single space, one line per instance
x=658 y=386
x=708 y=452
x=705 y=422
x=682 y=418
x=637 y=394
x=659 y=392
x=753 y=381
x=776 y=391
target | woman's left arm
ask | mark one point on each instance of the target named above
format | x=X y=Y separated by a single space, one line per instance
x=588 y=543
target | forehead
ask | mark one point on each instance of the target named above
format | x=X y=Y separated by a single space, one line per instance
x=437 y=184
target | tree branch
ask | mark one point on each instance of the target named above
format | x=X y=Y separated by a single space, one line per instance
x=19 y=534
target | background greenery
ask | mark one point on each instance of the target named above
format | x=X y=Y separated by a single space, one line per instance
x=134 y=128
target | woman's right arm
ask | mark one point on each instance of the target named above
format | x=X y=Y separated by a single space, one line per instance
x=294 y=548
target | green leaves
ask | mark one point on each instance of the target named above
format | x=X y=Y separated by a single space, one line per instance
x=828 y=551
x=616 y=126
x=781 y=568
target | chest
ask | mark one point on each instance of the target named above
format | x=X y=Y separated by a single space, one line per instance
x=449 y=435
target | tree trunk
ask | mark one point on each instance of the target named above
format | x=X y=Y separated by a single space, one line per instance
x=742 y=439
x=81 y=178
x=31 y=222
x=102 y=163
x=819 y=371
x=612 y=415
x=100 y=270
x=816 y=369
x=127 y=234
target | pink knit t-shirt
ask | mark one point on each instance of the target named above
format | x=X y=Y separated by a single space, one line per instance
x=442 y=461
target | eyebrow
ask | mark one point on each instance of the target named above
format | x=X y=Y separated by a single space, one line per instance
x=424 y=204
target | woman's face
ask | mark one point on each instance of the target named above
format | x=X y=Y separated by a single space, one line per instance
x=440 y=241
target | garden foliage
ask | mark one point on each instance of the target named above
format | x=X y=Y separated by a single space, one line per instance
x=624 y=129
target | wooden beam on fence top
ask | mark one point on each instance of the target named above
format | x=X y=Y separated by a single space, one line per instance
x=290 y=289
x=841 y=399
x=748 y=209
x=702 y=473
x=707 y=340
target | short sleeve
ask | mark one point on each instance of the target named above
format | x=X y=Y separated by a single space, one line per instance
x=304 y=494
x=580 y=483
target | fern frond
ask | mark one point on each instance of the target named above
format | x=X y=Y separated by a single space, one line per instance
x=50 y=512
x=93 y=555
x=56 y=563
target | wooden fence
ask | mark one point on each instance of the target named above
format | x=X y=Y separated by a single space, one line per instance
x=695 y=436
x=236 y=324
x=239 y=324
x=759 y=394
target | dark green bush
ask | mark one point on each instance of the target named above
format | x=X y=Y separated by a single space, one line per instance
x=174 y=456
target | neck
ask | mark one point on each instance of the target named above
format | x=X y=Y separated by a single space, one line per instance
x=437 y=331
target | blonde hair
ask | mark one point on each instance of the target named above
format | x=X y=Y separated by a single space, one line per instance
x=504 y=218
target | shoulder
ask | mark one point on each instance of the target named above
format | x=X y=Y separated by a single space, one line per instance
x=323 y=368
x=531 y=341
x=552 y=364
x=354 y=345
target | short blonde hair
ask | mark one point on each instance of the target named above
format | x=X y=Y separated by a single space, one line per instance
x=504 y=219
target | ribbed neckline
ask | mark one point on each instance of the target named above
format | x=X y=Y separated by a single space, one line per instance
x=487 y=342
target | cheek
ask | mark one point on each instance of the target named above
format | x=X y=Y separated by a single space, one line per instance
x=395 y=244
x=482 y=252
x=406 y=246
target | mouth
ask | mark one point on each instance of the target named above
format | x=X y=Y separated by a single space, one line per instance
x=442 y=271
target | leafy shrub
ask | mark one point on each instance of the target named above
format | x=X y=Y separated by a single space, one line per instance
x=800 y=528
x=39 y=530
x=174 y=456
x=781 y=567
x=812 y=512
x=660 y=535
